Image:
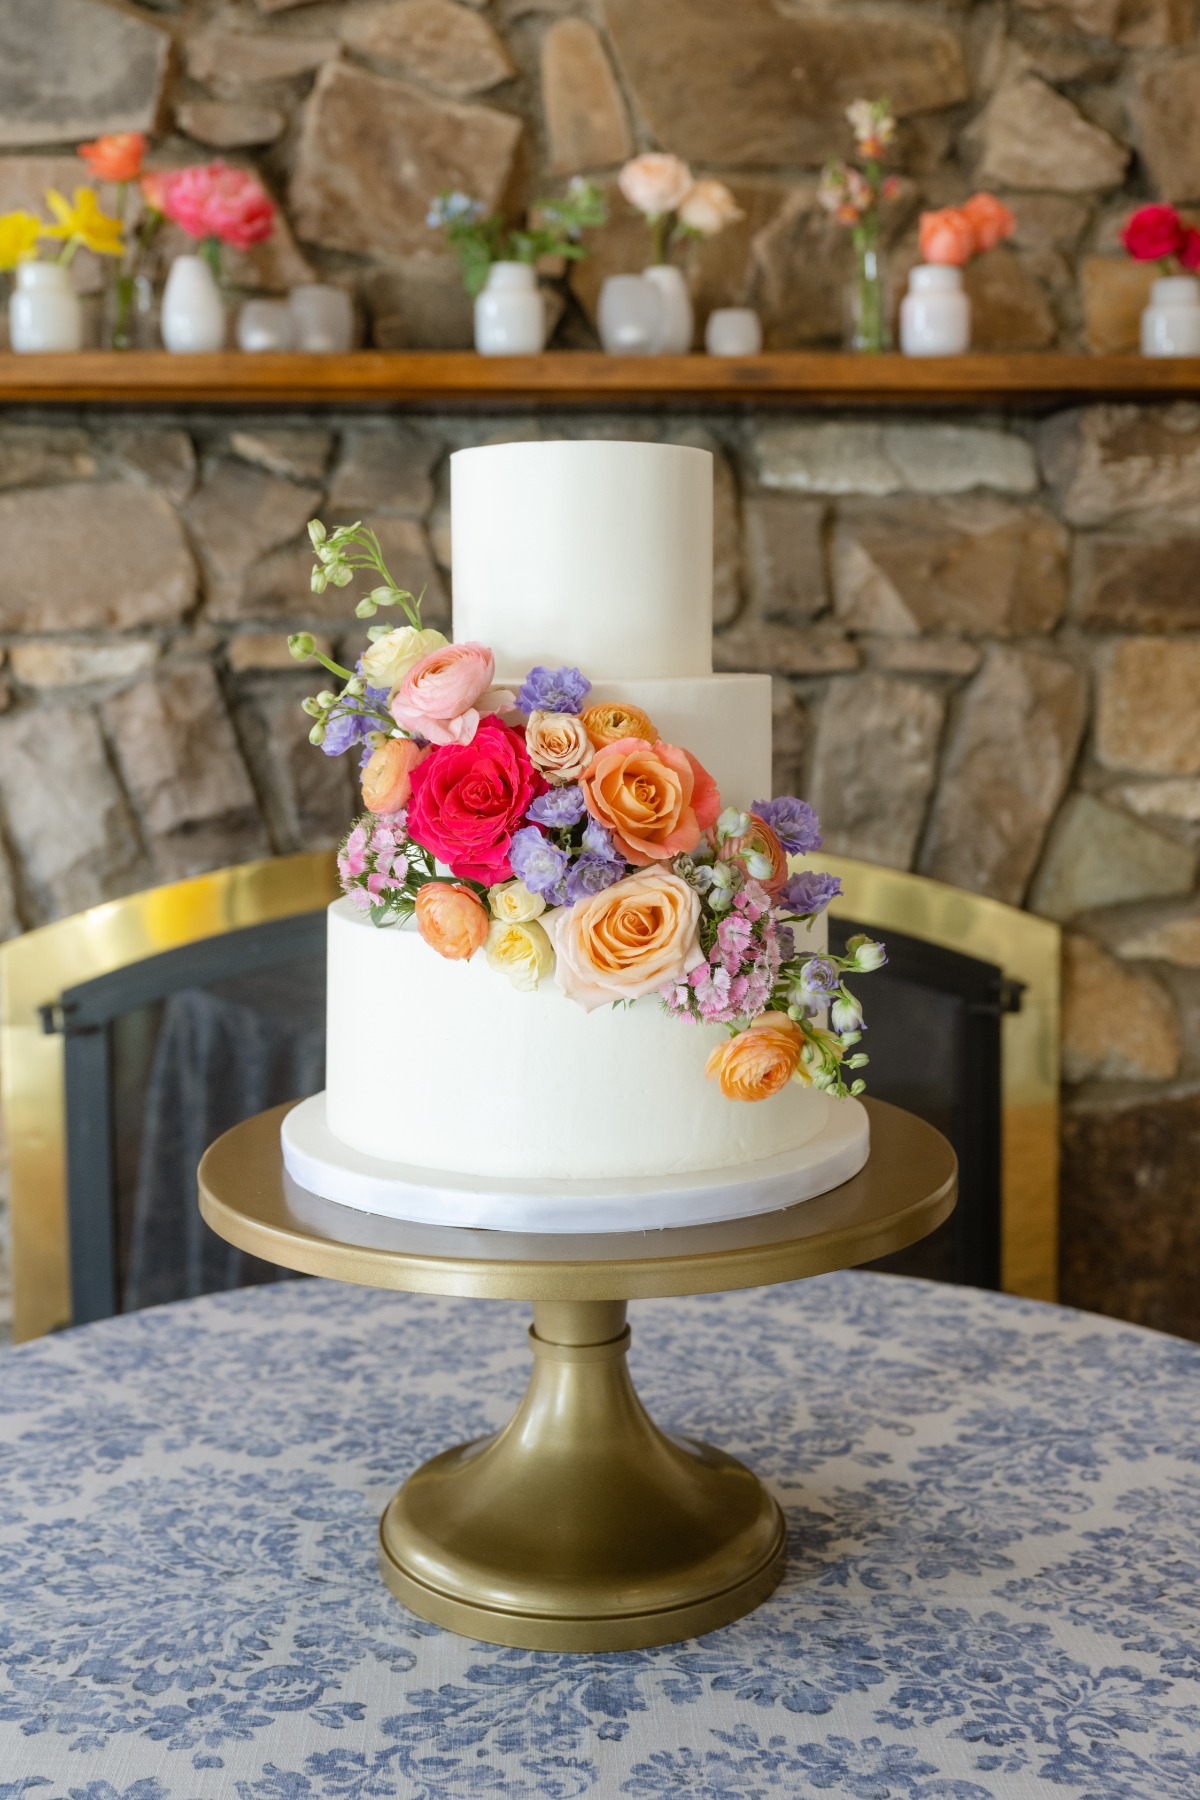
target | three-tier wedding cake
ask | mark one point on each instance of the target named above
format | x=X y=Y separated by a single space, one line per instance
x=594 y=821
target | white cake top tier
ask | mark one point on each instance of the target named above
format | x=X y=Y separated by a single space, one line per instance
x=592 y=553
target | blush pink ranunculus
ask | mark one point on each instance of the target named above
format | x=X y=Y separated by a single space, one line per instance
x=947 y=237
x=211 y=200
x=468 y=799
x=990 y=220
x=437 y=697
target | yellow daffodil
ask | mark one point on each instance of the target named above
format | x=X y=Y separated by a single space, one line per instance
x=19 y=233
x=83 y=223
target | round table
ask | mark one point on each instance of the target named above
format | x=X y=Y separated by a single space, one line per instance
x=991 y=1592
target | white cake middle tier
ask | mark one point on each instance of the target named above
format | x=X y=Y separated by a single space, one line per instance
x=445 y=1065
x=724 y=720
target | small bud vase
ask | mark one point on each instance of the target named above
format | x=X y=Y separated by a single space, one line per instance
x=678 y=323
x=629 y=316
x=193 y=312
x=935 y=314
x=510 y=314
x=43 y=310
x=868 y=312
x=1171 y=322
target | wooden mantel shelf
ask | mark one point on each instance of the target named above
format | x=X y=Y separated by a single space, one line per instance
x=435 y=379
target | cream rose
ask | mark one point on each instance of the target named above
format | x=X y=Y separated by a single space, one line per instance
x=520 y=950
x=655 y=183
x=512 y=902
x=708 y=207
x=626 y=941
x=558 y=745
x=390 y=658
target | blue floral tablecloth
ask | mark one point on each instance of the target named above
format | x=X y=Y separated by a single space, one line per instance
x=993 y=1587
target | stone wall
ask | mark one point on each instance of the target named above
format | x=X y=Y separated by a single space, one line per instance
x=985 y=639
x=357 y=111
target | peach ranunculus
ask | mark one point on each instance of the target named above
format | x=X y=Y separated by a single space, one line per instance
x=627 y=940
x=452 y=919
x=655 y=799
x=387 y=778
x=117 y=156
x=655 y=183
x=947 y=236
x=558 y=745
x=708 y=207
x=609 y=720
x=991 y=220
x=437 y=696
x=751 y=848
x=760 y=1061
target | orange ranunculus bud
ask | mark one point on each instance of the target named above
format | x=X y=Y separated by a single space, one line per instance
x=117 y=156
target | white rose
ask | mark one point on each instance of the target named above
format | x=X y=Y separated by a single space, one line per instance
x=389 y=658
x=655 y=183
x=512 y=902
x=709 y=207
x=521 y=951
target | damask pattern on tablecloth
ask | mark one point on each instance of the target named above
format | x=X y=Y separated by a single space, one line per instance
x=993 y=1588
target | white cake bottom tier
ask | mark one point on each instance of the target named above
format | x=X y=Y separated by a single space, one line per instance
x=445 y=1065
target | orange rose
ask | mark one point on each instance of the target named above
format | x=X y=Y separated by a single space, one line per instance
x=610 y=720
x=656 y=799
x=758 y=1062
x=115 y=157
x=990 y=220
x=626 y=941
x=947 y=236
x=759 y=839
x=387 y=778
x=451 y=919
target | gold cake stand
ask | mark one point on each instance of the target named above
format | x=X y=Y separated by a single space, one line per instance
x=580 y=1525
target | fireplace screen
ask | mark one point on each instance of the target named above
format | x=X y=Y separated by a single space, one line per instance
x=164 y=1055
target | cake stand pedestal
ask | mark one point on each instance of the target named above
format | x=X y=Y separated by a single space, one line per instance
x=580 y=1525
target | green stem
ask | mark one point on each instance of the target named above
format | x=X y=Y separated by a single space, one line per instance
x=658 y=236
x=210 y=250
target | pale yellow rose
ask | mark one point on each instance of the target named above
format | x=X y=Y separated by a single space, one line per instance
x=628 y=940
x=521 y=950
x=558 y=745
x=388 y=660
x=512 y=902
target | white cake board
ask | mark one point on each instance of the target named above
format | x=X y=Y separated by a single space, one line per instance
x=321 y=1163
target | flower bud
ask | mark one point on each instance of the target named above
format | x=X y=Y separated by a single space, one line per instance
x=301 y=645
x=316 y=533
x=318 y=580
x=857 y=1062
x=858 y=1087
x=326 y=698
x=732 y=823
x=845 y=1014
x=868 y=955
x=317 y=735
x=354 y=690
x=312 y=707
x=366 y=608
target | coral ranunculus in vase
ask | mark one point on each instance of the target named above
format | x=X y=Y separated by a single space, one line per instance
x=935 y=314
x=1170 y=324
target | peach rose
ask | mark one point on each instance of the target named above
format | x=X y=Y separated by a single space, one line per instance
x=760 y=840
x=655 y=183
x=437 y=696
x=990 y=220
x=558 y=745
x=708 y=207
x=656 y=799
x=627 y=940
x=451 y=919
x=947 y=236
x=758 y=1062
x=611 y=719
x=387 y=778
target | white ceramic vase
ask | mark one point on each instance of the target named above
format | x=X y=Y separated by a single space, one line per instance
x=733 y=331
x=322 y=319
x=675 y=338
x=43 y=310
x=629 y=316
x=265 y=325
x=935 y=314
x=1171 y=322
x=193 y=312
x=510 y=314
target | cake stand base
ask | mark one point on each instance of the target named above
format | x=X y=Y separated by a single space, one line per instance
x=581 y=1526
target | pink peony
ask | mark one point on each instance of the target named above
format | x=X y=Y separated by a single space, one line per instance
x=437 y=697
x=211 y=200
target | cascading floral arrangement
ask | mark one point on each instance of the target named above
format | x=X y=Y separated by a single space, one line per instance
x=565 y=838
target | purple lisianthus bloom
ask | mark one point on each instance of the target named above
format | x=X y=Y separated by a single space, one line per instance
x=598 y=842
x=793 y=821
x=538 y=862
x=559 y=808
x=553 y=690
x=809 y=892
x=346 y=728
x=819 y=976
x=591 y=875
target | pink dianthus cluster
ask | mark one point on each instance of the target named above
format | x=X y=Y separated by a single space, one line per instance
x=373 y=861
x=739 y=974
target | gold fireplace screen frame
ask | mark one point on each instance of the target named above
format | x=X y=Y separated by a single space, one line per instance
x=35 y=970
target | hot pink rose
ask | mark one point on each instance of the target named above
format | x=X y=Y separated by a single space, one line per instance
x=1152 y=233
x=437 y=697
x=468 y=799
x=211 y=200
x=947 y=237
